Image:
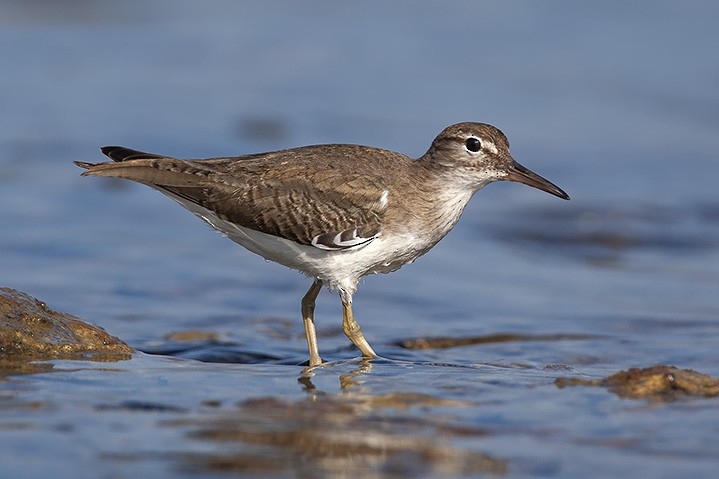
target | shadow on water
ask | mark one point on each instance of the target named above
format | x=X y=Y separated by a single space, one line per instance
x=209 y=346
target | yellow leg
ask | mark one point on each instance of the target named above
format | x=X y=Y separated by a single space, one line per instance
x=308 y=313
x=352 y=329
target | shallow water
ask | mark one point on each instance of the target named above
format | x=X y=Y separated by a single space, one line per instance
x=619 y=110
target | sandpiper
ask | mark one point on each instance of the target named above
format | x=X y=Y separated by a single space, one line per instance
x=335 y=212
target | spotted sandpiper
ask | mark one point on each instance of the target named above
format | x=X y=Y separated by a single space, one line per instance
x=334 y=212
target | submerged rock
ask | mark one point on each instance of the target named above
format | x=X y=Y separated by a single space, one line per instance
x=445 y=342
x=390 y=435
x=30 y=331
x=666 y=383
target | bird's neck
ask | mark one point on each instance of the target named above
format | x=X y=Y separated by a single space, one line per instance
x=438 y=198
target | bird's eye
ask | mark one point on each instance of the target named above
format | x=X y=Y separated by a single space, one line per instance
x=473 y=144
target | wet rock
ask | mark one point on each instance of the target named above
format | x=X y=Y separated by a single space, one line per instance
x=30 y=331
x=666 y=383
x=191 y=336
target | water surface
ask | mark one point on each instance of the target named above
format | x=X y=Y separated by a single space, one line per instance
x=616 y=104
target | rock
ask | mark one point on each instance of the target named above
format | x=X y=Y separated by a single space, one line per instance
x=31 y=331
x=666 y=383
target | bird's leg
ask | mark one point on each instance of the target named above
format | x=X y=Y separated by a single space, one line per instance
x=308 y=313
x=351 y=328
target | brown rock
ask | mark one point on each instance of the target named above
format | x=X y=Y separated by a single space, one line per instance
x=666 y=383
x=29 y=330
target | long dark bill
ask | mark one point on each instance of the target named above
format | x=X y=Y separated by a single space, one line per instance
x=522 y=175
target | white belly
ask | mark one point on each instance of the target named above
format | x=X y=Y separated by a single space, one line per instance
x=337 y=269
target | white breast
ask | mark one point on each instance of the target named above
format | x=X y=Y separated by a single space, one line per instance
x=340 y=268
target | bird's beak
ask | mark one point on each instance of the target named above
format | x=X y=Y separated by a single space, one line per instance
x=522 y=175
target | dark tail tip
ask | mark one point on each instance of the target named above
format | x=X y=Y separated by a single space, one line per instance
x=120 y=153
x=115 y=153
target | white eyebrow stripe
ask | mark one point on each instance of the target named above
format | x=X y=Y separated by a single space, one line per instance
x=486 y=144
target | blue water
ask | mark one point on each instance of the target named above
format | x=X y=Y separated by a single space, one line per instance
x=616 y=103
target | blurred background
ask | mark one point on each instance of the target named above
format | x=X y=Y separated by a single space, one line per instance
x=616 y=103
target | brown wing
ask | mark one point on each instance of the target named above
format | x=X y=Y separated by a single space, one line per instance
x=303 y=195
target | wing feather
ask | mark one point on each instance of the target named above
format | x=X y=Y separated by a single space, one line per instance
x=301 y=198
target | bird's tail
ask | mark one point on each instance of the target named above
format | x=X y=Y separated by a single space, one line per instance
x=139 y=166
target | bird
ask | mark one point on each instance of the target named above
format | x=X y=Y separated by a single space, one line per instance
x=336 y=212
